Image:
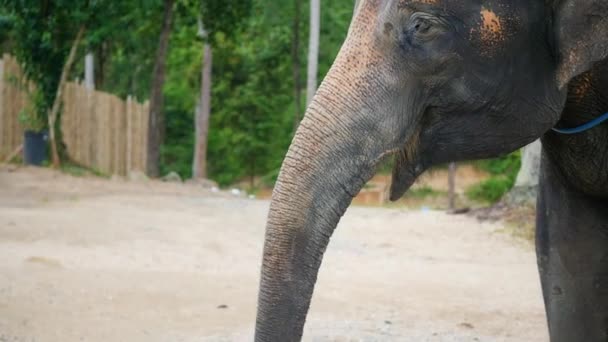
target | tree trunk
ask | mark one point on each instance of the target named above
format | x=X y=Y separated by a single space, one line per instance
x=156 y=120
x=313 y=49
x=89 y=71
x=101 y=61
x=59 y=97
x=199 y=167
x=295 y=52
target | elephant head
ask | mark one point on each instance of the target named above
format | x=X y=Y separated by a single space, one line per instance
x=427 y=82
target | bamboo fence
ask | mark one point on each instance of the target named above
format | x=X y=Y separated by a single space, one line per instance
x=100 y=131
x=13 y=99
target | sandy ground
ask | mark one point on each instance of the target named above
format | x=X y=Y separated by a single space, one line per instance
x=97 y=260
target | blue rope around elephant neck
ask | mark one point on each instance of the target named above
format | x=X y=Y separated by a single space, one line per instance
x=583 y=128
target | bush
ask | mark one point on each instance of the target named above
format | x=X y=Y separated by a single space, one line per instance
x=504 y=172
x=491 y=190
x=423 y=192
x=507 y=165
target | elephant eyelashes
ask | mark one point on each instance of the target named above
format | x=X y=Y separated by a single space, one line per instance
x=422 y=27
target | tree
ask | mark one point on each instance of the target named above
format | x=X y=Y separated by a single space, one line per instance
x=225 y=22
x=6 y=30
x=89 y=70
x=156 y=117
x=199 y=167
x=59 y=96
x=313 y=49
x=43 y=38
x=295 y=55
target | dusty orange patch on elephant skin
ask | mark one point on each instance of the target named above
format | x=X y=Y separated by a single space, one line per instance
x=492 y=28
x=491 y=34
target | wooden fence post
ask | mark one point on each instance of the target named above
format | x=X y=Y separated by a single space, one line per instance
x=92 y=157
x=452 y=185
x=145 y=127
x=129 y=143
x=14 y=97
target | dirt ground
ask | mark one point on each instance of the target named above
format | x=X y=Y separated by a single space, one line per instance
x=84 y=259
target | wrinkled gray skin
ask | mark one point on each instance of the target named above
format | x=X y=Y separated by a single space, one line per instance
x=432 y=81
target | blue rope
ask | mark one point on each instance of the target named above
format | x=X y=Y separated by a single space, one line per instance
x=584 y=127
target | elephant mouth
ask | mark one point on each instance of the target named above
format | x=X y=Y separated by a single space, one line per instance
x=406 y=168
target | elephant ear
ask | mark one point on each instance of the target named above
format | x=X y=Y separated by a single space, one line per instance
x=581 y=29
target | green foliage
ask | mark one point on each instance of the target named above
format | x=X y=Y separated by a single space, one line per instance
x=490 y=190
x=252 y=113
x=181 y=93
x=507 y=165
x=503 y=173
x=125 y=46
x=225 y=16
x=6 y=31
x=423 y=192
x=28 y=118
x=43 y=33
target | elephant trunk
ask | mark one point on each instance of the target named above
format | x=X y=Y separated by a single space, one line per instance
x=347 y=130
x=327 y=164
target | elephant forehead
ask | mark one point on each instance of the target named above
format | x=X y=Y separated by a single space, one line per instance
x=490 y=23
x=459 y=4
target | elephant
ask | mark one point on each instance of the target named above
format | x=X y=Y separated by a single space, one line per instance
x=428 y=82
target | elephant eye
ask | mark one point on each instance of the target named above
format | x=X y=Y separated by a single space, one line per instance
x=423 y=27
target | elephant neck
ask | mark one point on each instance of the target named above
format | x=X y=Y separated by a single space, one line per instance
x=583 y=158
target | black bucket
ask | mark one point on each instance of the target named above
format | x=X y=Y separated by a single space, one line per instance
x=35 y=148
